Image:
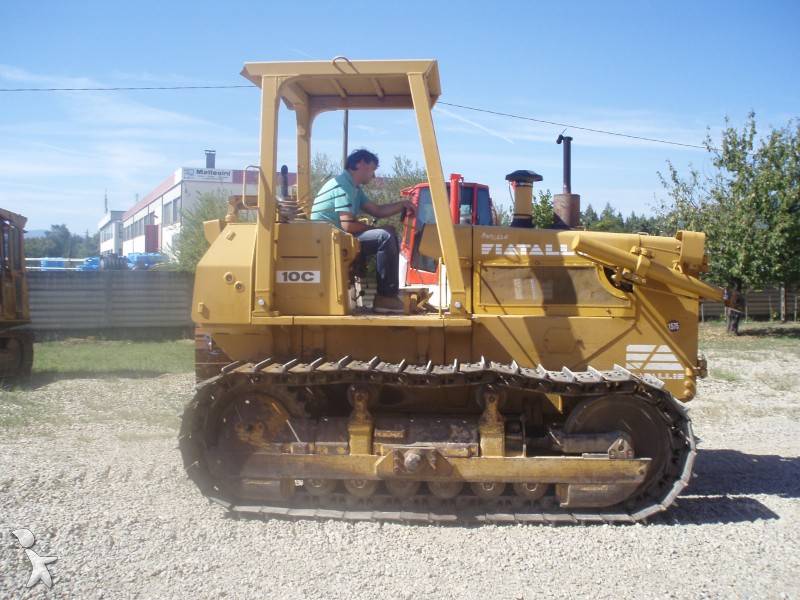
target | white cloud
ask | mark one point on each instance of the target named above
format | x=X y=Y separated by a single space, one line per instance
x=11 y=73
x=371 y=130
x=478 y=126
x=87 y=142
x=641 y=123
x=148 y=77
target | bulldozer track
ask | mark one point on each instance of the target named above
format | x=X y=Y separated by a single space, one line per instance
x=20 y=343
x=426 y=508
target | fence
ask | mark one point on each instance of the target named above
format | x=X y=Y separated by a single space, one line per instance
x=760 y=305
x=53 y=264
x=69 y=301
x=72 y=301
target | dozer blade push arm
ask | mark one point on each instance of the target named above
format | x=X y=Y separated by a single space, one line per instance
x=641 y=266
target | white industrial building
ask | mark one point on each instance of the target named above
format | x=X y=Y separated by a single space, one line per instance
x=153 y=223
x=110 y=229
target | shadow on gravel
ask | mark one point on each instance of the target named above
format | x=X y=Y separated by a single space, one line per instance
x=721 y=472
x=707 y=510
x=767 y=331
x=724 y=479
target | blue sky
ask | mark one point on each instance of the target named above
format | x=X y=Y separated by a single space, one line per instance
x=664 y=70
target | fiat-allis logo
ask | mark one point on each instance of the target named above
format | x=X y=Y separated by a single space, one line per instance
x=525 y=250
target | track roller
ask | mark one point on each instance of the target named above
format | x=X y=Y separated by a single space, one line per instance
x=530 y=490
x=445 y=489
x=402 y=488
x=488 y=489
x=360 y=488
x=319 y=487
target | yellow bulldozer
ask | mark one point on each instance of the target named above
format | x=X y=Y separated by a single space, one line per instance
x=16 y=343
x=546 y=386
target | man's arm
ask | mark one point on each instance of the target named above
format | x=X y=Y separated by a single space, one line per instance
x=380 y=211
x=350 y=224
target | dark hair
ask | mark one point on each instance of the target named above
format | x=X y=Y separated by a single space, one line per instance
x=360 y=155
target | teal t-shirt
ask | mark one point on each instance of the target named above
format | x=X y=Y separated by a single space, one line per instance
x=338 y=194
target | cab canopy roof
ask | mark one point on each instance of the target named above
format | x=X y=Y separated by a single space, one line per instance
x=344 y=84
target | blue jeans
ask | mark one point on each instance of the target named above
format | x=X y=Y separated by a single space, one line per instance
x=384 y=246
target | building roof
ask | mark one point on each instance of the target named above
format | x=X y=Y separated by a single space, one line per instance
x=168 y=183
x=111 y=215
x=177 y=177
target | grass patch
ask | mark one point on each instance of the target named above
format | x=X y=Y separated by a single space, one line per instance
x=724 y=375
x=19 y=410
x=143 y=436
x=785 y=382
x=753 y=337
x=97 y=357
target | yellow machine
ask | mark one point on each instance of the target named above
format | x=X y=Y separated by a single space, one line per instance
x=16 y=345
x=548 y=389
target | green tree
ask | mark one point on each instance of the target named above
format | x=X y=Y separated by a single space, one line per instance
x=385 y=190
x=60 y=242
x=191 y=242
x=749 y=207
x=542 y=211
x=503 y=214
x=641 y=224
x=685 y=206
x=610 y=220
x=543 y=215
x=323 y=167
x=589 y=217
x=405 y=173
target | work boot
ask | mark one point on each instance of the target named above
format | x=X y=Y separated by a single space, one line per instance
x=388 y=305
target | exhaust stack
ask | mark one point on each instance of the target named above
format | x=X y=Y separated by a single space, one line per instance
x=567 y=206
x=522 y=181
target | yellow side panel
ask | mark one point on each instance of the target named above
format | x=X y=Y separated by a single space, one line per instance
x=312 y=269
x=223 y=284
x=642 y=346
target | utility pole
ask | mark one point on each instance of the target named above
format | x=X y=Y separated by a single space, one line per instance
x=345 y=124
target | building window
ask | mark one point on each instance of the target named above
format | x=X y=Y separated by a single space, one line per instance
x=176 y=210
x=166 y=213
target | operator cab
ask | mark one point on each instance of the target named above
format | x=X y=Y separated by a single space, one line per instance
x=470 y=204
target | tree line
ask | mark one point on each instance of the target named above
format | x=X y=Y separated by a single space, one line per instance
x=60 y=242
x=748 y=205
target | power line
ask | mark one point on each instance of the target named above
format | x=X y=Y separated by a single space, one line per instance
x=126 y=89
x=568 y=126
x=472 y=108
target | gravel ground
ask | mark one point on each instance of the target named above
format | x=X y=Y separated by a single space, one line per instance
x=91 y=467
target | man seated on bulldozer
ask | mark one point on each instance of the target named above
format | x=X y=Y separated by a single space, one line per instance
x=341 y=200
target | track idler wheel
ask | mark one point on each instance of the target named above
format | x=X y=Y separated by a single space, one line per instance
x=648 y=433
x=530 y=491
x=644 y=424
x=488 y=489
x=360 y=488
x=445 y=489
x=402 y=488
x=319 y=487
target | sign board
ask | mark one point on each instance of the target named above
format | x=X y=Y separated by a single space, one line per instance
x=216 y=175
x=298 y=277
